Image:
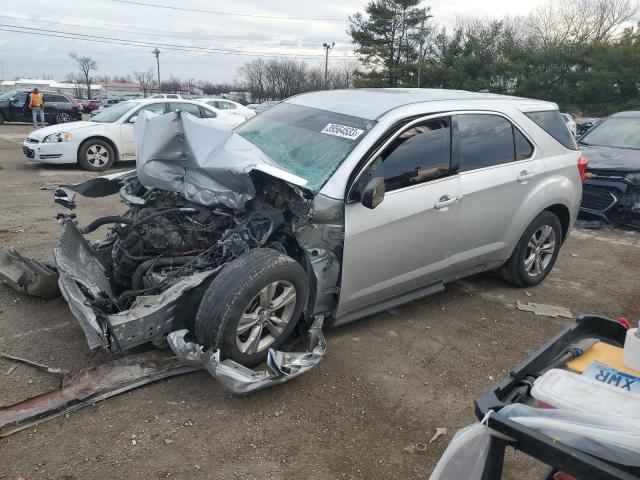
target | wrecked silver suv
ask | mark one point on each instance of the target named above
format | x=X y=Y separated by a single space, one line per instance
x=330 y=205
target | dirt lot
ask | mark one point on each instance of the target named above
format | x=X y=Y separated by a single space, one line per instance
x=387 y=382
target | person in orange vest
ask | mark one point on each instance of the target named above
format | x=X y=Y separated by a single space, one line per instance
x=36 y=105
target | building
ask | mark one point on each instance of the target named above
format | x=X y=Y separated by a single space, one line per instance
x=120 y=89
x=30 y=83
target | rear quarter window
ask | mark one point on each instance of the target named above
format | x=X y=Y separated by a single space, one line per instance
x=551 y=122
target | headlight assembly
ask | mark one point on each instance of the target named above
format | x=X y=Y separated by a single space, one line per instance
x=57 y=137
x=633 y=178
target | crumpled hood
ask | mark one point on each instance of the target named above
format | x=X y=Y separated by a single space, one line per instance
x=63 y=127
x=607 y=158
x=206 y=165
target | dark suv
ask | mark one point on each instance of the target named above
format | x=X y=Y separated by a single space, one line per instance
x=58 y=107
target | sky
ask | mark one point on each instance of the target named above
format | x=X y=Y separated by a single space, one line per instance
x=222 y=35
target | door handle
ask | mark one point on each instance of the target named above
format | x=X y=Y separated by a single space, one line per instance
x=444 y=202
x=524 y=176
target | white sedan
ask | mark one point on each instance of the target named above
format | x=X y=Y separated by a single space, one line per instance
x=96 y=145
x=229 y=106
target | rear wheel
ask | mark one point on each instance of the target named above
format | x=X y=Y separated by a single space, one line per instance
x=63 y=117
x=536 y=252
x=96 y=155
x=1 y=119
x=253 y=305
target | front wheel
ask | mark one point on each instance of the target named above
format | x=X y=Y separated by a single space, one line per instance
x=253 y=305
x=96 y=155
x=536 y=252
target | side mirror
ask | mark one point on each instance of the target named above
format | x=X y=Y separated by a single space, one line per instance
x=373 y=192
x=133 y=119
x=13 y=100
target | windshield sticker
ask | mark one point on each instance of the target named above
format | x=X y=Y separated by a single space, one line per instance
x=343 y=131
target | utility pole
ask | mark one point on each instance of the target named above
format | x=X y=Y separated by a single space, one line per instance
x=327 y=49
x=156 y=52
x=421 y=53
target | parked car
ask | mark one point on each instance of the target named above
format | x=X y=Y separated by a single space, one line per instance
x=89 y=106
x=107 y=102
x=261 y=107
x=584 y=124
x=612 y=185
x=108 y=137
x=167 y=95
x=570 y=122
x=58 y=107
x=337 y=203
x=229 y=106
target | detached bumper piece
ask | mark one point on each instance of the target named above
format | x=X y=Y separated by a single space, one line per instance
x=282 y=366
x=28 y=276
x=89 y=386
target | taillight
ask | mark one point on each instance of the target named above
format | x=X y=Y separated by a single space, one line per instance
x=78 y=106
x=582 y=166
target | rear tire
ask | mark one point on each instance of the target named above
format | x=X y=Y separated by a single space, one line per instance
x=252 y=305
x=96 y=155
x=1 y=119
x=63 y=117
x=536 y=253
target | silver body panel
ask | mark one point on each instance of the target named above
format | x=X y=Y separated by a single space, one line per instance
x=404 y=249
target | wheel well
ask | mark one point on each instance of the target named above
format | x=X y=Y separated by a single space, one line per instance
x=562 y=212
x=104 y=139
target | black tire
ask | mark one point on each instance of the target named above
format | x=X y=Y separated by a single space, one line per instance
x=1 y=119
x=514 y=270
x=98 y=146
x=233 y=292
x=63 y=117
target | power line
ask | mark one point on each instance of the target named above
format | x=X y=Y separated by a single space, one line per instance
x=148 y=32
x=215 y=12
x=138 y=43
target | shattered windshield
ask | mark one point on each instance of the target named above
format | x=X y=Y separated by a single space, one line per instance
x=308 y=142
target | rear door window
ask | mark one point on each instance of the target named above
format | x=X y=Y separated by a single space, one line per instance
x=524 y=149
x=551 y=122
x=206 y=113
x=420 y=154
x=187 y=107
x=485 y=141
x=53 y=98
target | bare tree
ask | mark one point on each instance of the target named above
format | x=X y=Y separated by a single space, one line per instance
x=560 y=22
x=173 y=85
x=78 y=91
x=85 y=66
x=145 y=79
x=281 y=78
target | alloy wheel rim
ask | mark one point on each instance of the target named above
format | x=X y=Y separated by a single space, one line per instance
x=540 y=250
x=266 y=317
x=63 y=117
x=97 y=156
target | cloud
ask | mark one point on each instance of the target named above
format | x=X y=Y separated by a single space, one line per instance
x=135 y=23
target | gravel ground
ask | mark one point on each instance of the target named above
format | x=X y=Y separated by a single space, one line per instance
x=387 y=382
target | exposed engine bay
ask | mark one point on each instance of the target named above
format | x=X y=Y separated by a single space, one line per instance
x=202 y=204
x=163 y=238
x=146 y=277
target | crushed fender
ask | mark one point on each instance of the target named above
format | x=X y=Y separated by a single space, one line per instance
x=282 y=366
x=27 y=275
x=89 y=386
